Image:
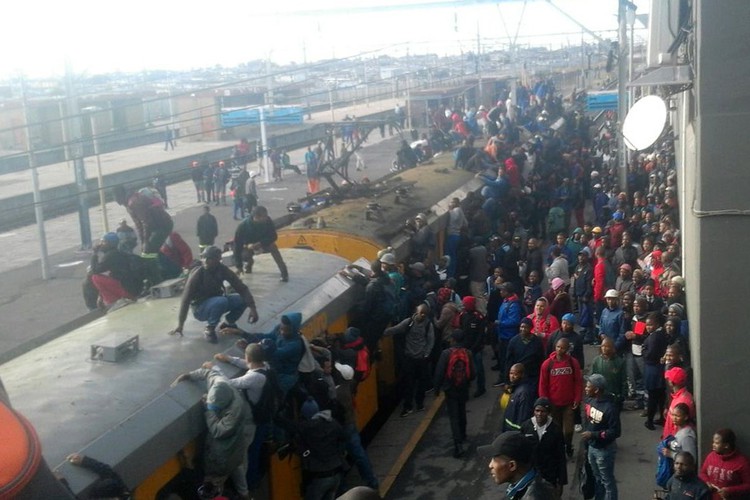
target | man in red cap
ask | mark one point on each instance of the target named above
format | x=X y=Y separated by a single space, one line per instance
x=677 y=380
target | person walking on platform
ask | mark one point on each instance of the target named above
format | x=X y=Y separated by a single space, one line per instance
x=254 y=234
x=205 y=294
x=169 y=138
x=152 y=222
x=311 y=167
x=549 y=453
x=208 y=228
x=453 y=374
x=196 y=175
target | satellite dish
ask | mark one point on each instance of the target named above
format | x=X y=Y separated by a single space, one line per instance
x=644 y=123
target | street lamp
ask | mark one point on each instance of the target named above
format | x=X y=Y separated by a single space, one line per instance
x=630 y=9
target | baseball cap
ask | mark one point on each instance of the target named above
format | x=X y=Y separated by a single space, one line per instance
x=676 y=375
x=611 y=294
x=421 y=216
x=511 y=444
x=597 y=229
x=111 y=238
x=543 y=402
x=597 y=380
x=388 y=258
x=346 y=371
x=212 y=252
x=417 y=266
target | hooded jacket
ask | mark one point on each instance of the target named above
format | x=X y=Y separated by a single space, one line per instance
x=560 y=380
x=229 y=423
x=323 y=441
x=509 y=317
x=288 y=354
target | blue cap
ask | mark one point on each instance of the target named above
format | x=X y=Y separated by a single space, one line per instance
x=617 y=216
x=309 y=408
x=111 y=238
x=570 y=317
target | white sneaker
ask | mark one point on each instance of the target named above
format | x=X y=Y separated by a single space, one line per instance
x=578 y=428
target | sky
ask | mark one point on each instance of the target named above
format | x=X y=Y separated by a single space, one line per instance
x=100 y=36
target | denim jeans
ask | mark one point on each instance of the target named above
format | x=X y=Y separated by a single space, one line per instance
x=602 y=462
x=213 y=308
x=358 y=454
x=323 y=488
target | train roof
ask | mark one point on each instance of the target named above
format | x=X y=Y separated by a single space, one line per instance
x=73 y=401
x=426 y=186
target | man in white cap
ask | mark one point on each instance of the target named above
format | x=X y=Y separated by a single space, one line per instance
x=612 y=320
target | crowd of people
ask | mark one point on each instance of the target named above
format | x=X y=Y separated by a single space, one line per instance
x=552 y=254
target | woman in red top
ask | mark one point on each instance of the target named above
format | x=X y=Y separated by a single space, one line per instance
x=543 y=324
x=725 y=470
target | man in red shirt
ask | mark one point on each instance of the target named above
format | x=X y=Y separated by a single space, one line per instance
x=561 y=381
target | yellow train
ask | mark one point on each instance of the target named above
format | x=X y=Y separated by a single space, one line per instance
x=123 y=411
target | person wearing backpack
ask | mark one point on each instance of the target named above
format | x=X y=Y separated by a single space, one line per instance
x=453 y=374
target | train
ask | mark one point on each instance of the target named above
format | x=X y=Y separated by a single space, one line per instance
x=103 y=389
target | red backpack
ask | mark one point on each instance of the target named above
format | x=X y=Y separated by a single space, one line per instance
x=458 y=371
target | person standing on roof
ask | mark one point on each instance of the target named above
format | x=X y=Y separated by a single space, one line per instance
x=221 y=177
x=254 y=234
x=152 y=222
x=205 y=294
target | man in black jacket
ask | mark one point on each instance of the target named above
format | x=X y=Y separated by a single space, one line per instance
x=602 y=429
x=208 y=228
x=549 y=453
x=254 y=234
x=205 y=294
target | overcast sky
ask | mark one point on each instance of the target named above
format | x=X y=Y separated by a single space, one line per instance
x=102 y=36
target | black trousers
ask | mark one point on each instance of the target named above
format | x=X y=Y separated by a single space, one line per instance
x=457 y=414
x=415 y=379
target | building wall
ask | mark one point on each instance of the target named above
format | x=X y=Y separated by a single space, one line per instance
x=717 y=225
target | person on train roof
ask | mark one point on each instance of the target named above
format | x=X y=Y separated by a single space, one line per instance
x=205 y=295
x=290 y=347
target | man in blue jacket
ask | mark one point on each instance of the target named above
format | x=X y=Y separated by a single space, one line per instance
x=508 y=319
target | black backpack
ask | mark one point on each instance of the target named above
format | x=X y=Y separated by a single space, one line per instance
x=269 y=403
x=473 y=324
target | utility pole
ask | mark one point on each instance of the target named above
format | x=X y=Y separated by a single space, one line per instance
x=408 y=89
x=478 y=67
x=38 y=209
x=264 y=145
x=622 y=96
x=73 y=123
x=100 y=178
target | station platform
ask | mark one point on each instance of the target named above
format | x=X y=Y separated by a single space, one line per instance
x=412 y=456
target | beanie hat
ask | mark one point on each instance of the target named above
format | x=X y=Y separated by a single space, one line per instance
x=469 y=302
x=309 y=408
x=569 y=317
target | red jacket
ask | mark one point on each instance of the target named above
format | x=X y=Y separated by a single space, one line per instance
x=681 y=396
x=543 y=326
x=511 y=170
x=561 y=381
x=730 y=471
x=600 y=278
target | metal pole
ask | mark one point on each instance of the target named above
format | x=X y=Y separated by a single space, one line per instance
x=264 y=145
x=74 y=124
x=330 y=102
x=99 y=177
x=38 y=209
x=408 y=89
x=631 y=93
x=622 y=76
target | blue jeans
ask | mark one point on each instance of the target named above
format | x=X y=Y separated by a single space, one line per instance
x=451 y=249
x=359 y=456
x=213 y=308
x=479 y=367
x=602 y=462
x=323 y=488
x=255 y=464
